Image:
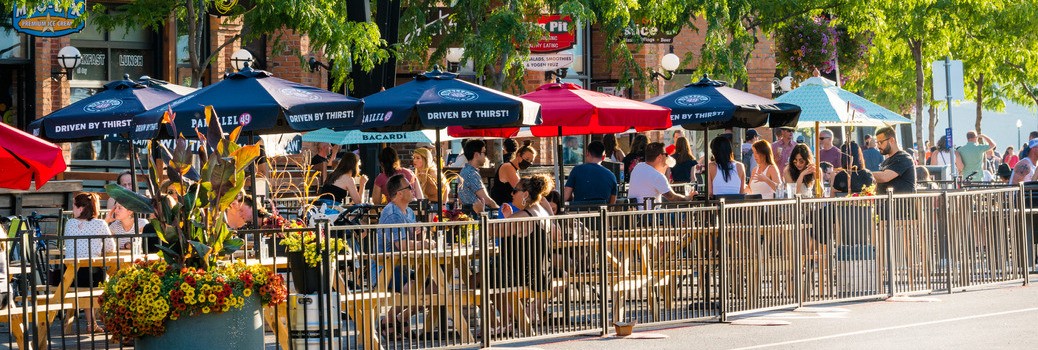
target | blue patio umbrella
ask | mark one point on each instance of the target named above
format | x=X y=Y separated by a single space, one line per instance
x=107 y=112
x=259 y=101
x=357 y=137
x=437 y=100
x=709 y=104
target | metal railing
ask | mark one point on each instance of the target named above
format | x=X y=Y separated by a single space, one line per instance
x=477 y=283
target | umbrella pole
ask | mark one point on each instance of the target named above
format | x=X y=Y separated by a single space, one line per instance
x=133 y=182
x=257 y=238
x=559 y=160
x=818 y=163
x=706 y=158
x=439 y=174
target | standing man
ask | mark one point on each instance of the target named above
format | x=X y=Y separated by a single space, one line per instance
x=872 y=156
x=648 y=179
x=747 y=151
x=473 y=194
x=826 y=151
x=319 y=162
x=970 y=157
x=898 y=170
x=783 y=146
x=591 y=183
x=1024 y=169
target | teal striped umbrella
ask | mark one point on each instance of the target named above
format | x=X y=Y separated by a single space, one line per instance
x=821 y=101
x=357 y=137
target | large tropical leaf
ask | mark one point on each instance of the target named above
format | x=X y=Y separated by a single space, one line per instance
x=245 y=156
x=130 y=199
x=214 y=132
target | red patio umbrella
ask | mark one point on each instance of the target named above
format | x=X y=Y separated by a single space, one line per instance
x=567 y=109
x=24 y=157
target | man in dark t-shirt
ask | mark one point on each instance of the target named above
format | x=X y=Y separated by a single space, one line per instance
x=898 y=170
x=591 y=183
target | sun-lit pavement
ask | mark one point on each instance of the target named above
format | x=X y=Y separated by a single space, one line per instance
x=998 y=317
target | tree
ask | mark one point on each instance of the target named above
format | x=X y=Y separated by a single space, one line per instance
x=324 y=22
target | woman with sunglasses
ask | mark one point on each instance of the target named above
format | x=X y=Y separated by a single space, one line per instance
x=525 y=258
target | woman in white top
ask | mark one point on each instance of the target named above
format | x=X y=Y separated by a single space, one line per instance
x=800 y=171
x=124 y=225
x=84 y=222
x=731 y=178
x=943 y=155
x=765 y=179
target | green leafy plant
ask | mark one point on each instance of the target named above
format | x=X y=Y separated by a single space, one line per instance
x=190 y=210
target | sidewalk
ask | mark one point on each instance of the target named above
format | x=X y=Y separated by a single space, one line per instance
x=998 y=317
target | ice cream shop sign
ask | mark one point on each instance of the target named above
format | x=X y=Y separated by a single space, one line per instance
x=49 y=20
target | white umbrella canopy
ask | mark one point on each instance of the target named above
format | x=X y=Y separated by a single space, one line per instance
x=821 y=101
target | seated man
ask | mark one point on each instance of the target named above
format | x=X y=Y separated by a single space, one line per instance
x=648 y=179
x=390 y=240
x=591 y=183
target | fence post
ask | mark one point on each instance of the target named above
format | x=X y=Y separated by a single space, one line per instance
x=34 y=266
x=890 y=242
x=484 y=279
x=1027 y=251
x=945 y=231
x=800 y=276
x=603 y=306
x=722 y=279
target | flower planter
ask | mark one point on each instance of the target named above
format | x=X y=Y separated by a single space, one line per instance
x=306 y=278
x=234 y=329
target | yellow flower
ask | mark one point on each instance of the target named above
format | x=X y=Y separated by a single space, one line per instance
x=212 y=298
x=205 y=309
x=247 y=292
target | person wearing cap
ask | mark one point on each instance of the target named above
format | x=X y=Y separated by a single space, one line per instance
x=970 y=157
x=747 y=150
x=826 y=151
x=1025 y=168
x=783 y=146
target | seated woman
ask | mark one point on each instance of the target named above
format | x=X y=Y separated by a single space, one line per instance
x=729 y=176
x=389 y=161
x=84 y=222
x=507 y=177
x=390 y=240
x=425 y=168
x=684 y=162
x=800 y=171
x=340 y=187
x=765 y=179
x=525 y=256
x=124 y=225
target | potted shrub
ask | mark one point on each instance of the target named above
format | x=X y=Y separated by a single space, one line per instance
x=194 y=297
x=305 y=250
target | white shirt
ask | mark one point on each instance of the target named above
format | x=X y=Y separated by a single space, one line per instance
x=1024 y=162
x=85 y=248
x=647 y=182
x=117 y=229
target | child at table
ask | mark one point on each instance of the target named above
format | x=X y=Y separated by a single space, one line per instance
x=84 y=222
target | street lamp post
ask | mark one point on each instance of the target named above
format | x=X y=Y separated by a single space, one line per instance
x=1019 y=124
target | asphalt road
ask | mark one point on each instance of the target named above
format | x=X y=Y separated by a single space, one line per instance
x=999 y=317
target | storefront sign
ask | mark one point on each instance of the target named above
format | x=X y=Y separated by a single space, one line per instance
x=47 y=21
x=547 y=62
x=222 y=8
x=560 y=34
x=93 y=65
x=648 y=35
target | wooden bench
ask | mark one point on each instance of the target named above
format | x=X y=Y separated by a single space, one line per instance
x=516 y=298
x=16 y=315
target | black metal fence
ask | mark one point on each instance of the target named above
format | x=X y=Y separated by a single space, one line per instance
x=477 y=283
